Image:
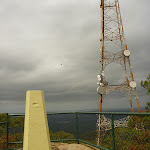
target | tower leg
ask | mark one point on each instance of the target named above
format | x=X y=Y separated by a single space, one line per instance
x=137 y=99
x=99 y=122
x=130 y=100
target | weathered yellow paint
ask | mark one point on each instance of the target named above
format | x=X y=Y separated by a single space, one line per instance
x=36 y=131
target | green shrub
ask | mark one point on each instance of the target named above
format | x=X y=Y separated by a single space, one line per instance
x=61 y=135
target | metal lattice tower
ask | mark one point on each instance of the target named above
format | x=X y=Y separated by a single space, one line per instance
x=114 y=49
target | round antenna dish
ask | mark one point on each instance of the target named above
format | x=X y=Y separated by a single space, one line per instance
x=133 y=84
x=101 y=84
x=101 y=90
x=98 y=76
x=99 y=79
x=102 y=73
x=127 y=53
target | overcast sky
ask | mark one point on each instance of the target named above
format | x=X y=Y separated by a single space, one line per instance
x=53 y=45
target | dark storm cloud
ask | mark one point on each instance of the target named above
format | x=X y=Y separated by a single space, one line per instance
x=54 y=46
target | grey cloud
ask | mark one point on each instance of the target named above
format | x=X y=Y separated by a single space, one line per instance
x=38 y=36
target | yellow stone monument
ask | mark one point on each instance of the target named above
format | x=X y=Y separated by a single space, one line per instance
x=36 y=131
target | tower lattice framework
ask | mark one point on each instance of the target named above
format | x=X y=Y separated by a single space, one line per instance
x=114 y=49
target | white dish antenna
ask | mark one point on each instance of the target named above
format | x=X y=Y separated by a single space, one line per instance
x=102 y=73
x=101 y=84
x=99 y=79
x=101 y=90
x=133 y=84
x=98 y=76
x=127 y=53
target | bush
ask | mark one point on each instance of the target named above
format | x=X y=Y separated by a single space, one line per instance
x=3 y=142
x=61 y=135
x=139 y=122
x=2 y=131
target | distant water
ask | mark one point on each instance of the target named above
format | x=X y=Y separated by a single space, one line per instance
x=86 y=122
x=107 y=110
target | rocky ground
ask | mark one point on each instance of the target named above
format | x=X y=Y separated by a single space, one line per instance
x=65 y=146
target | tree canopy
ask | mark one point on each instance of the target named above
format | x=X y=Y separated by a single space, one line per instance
x=146 y=84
